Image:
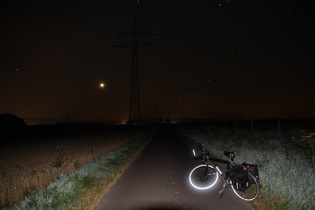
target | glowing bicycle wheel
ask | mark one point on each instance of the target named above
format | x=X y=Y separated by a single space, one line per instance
x=203 y=177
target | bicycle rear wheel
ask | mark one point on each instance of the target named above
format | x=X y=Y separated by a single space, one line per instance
x=251 y=193
x=203 y=177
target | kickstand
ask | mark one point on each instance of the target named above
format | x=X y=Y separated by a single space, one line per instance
x=223 y=190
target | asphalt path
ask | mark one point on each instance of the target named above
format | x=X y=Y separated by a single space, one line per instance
x=158 y=179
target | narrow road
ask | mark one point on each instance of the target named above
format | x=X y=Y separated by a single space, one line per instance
x=158 y=179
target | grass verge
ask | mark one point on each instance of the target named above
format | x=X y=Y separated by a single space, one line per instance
x=93 y=196
x=286 y=173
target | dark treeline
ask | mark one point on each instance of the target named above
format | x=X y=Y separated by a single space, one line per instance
x=255 y=125
x=14 y=130
x=11 y=121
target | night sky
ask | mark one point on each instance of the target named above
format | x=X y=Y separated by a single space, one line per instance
x=215 y=58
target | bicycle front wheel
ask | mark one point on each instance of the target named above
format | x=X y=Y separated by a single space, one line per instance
x=203 y=177
x=251 y=193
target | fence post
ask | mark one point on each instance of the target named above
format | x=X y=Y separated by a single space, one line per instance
x=279 y=127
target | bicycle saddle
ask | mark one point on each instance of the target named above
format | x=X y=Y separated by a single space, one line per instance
x=230 y=154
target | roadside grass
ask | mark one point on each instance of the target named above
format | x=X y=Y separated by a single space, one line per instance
x=287 y=177
x=75 y=190
x=93 y=195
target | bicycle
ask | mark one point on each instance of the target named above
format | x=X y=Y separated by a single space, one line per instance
x=206 y=175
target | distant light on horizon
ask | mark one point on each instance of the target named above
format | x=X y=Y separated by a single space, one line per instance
x=102 y=85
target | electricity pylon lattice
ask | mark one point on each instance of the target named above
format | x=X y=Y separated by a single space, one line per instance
x=134 y=107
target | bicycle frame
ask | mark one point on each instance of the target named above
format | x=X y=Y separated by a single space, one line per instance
x=206 y=160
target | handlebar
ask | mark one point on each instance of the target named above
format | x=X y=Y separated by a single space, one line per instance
x=230 y=155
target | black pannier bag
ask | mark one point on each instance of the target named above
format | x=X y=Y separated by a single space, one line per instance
x=197 y=151
x=239 y=177
x=253 y=169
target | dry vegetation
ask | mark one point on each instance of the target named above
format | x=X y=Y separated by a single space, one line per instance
x=24 y=169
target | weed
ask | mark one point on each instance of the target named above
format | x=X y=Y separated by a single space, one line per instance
x=305 y=141
x=28 y=191
x=76 y=165
x=6 y=205
x=92 y=153
x=33 y=172
x=60 y=158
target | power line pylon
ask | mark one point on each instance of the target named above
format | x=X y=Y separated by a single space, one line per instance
x=134 y=108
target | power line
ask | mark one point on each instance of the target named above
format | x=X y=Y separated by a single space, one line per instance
x=134 y=44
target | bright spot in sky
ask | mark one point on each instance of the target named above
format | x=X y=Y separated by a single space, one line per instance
x=102 y=85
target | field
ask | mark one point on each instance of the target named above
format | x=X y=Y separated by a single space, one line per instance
x=27 y=165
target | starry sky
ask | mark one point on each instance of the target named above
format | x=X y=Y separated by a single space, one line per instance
x=215 y=59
